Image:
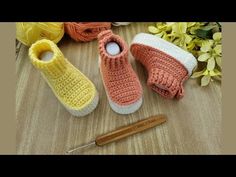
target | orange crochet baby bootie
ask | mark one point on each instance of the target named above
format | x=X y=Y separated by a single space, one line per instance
x=168 y=65
x=121 y=83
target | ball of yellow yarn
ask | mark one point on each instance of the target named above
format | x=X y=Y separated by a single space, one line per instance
x=30 y=32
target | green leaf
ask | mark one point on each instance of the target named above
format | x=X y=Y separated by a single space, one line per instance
x=191 y=46
x=217 y=36
x=204 y=57
x=198 y=74
x=207 y=45
x=211 y=64
x=205 y=80
x=159 y=24
x=188 y=38
x=166 y=37
x=177 y=42
x=212 y=73
x=153 y=29
x=205 y=34
x=206 y=72
x=180 y=27
x=198 y=41
x=215 y=72
x=183 y=27
x=160 y=34
x=218 y=49
x=218 y=61
x=208 y=27
x=205 y=48
x=162 y=26
x=190 y=24
x=193 y=30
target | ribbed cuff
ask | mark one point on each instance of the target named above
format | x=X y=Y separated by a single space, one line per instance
x=165 y=84
x=56 y=66
x=111 y=61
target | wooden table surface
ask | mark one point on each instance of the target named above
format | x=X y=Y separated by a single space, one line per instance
x=45 y=127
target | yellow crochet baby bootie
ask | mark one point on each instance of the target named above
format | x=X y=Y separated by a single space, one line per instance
x=72 y=88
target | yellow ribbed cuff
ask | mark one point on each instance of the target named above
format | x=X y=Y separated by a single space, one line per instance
x=56 y=66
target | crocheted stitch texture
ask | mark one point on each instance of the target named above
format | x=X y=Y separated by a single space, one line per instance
x=166 y=74
x=121 y=82
x=85 y=31
x=74 y=90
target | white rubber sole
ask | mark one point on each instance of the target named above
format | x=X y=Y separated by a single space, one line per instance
x=184 y=57
x=86 y=110
x=127 y=109
x=121 y=109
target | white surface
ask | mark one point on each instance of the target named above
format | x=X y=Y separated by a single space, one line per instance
x=46 y=56
x=184 y=57
x=113 y=48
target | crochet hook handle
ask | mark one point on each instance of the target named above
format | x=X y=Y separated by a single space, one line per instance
x=129 y=130
x=125 y=131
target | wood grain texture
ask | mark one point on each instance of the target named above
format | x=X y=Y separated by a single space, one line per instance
x=45 y=127
x=131 y=129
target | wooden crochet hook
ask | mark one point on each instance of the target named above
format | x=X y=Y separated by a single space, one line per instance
x=125 y=131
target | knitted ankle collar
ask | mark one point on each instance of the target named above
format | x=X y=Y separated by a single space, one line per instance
x=117 y=61
x=56 y=66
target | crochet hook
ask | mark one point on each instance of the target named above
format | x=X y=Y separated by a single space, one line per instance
x=124 y=131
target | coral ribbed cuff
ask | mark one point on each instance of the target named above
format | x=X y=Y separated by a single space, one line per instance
x=116 y=61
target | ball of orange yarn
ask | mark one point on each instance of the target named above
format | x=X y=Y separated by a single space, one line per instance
x=85 y=31
x=30 y=32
